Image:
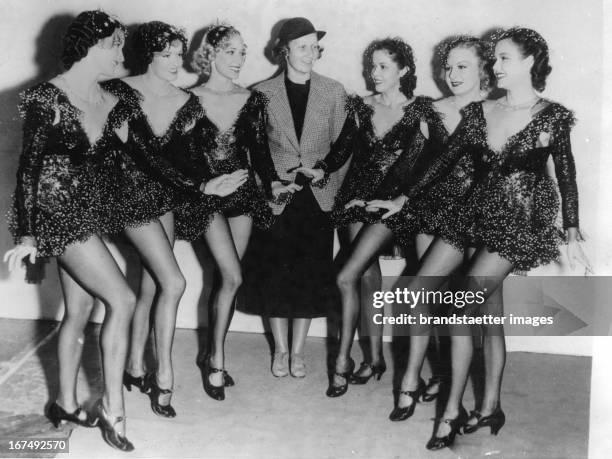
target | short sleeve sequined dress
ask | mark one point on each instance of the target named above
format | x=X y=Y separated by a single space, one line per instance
x=208 y=152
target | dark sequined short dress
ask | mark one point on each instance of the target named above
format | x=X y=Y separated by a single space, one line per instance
x=440 y=201
x=515 y=205
x=209 y=152
x=59 y=194
x=132 y=178
x=383 y=166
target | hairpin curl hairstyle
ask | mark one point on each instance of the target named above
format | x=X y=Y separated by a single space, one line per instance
x=216 y=37
x=530 y=43
x=401 y=53
x=153 y=37
x=85 y=31
x=483 y=50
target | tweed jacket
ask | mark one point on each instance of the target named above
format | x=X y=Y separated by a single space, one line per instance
x=325 y=116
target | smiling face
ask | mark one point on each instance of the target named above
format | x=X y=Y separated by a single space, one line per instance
x=462 y=71
x=230 y=56
x=108 y=53
x=511 y=68
x=302 y=53
x=166 y=63
x=385 y=72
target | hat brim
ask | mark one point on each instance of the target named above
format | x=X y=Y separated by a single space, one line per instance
x=320 y=34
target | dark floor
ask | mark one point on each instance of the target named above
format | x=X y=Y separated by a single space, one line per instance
x=545 y=397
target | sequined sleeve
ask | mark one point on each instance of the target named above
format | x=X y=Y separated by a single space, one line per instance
x=259 y=148
x=565 y=169
x=38 y=115
x=346 y=143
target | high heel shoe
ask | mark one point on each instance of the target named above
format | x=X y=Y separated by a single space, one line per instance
x=136 y=381
x=376 y=372
x=107 y=424
x=402 y=413
x=338 y=391
x=56 y=414
x=455 y=425
x=495 y=421
x=154 y=392
x=216 y=392
x=433 y=381
x=228 y=381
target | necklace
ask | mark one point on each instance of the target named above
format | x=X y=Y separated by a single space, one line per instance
x=525 y=105
x=98 y=99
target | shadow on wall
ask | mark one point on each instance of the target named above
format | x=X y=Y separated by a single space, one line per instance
x=47 y=60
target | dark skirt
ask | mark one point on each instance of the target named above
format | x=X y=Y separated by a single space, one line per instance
x=288 y=270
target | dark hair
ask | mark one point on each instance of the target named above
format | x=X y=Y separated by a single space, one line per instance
x=153 y=37
x=85 y=31
x=401 y=54
x=482 y=49
x=531 y=43
x=215 y=37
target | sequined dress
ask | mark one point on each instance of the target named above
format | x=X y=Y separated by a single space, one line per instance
x=385 y=166
x=60 y=195
x=514 y=204
x=209 y=152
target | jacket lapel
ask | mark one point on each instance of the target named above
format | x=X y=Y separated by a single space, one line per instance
x=315 y=100
x=279 y=106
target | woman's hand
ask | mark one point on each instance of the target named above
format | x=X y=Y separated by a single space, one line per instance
x=315 y=174
x=225 y=184
x=278 y=188
x=27 y=248
x=392 y=207
x=576 y=254
x=355 y=203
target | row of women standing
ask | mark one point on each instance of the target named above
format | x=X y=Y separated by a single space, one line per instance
x=142 y=157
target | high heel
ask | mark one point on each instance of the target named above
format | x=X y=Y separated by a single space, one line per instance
x=154 y=392
x=338 y=391
x=402 y=413
x=107 y=424
x=136 y=381
x=433 y=381
x=376 y=372
x=455 y=425
x=228 y=381
x=495 y=421
x=56 y=414
x=216 y=392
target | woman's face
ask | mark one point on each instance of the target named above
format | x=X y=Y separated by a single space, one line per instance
x=462 y=71
x=166 y=63
x=230 y=57
x=385 y=72
x=109 y=53
x=511 y=67
x=302 y=53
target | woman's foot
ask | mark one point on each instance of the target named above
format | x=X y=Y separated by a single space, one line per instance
x=406 y=402
x=447 y=428
x=160 y=398
x=113 y=428
x=298 y=366
x=433 y=389
x=339 y=380
x=58 y=415
x=368 y=370
x=280 y=364
x=493 y=418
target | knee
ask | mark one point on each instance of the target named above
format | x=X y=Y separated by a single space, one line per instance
x=122 y=303
x=346 y=281
x=79 y=313
x=174 y=286
x=232 y=280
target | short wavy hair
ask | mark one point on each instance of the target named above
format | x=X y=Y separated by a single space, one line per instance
x=85 y=31
x=483 y=50
x=401 y=53
x=153 y=37
x=530 y=43
x=216 y=37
